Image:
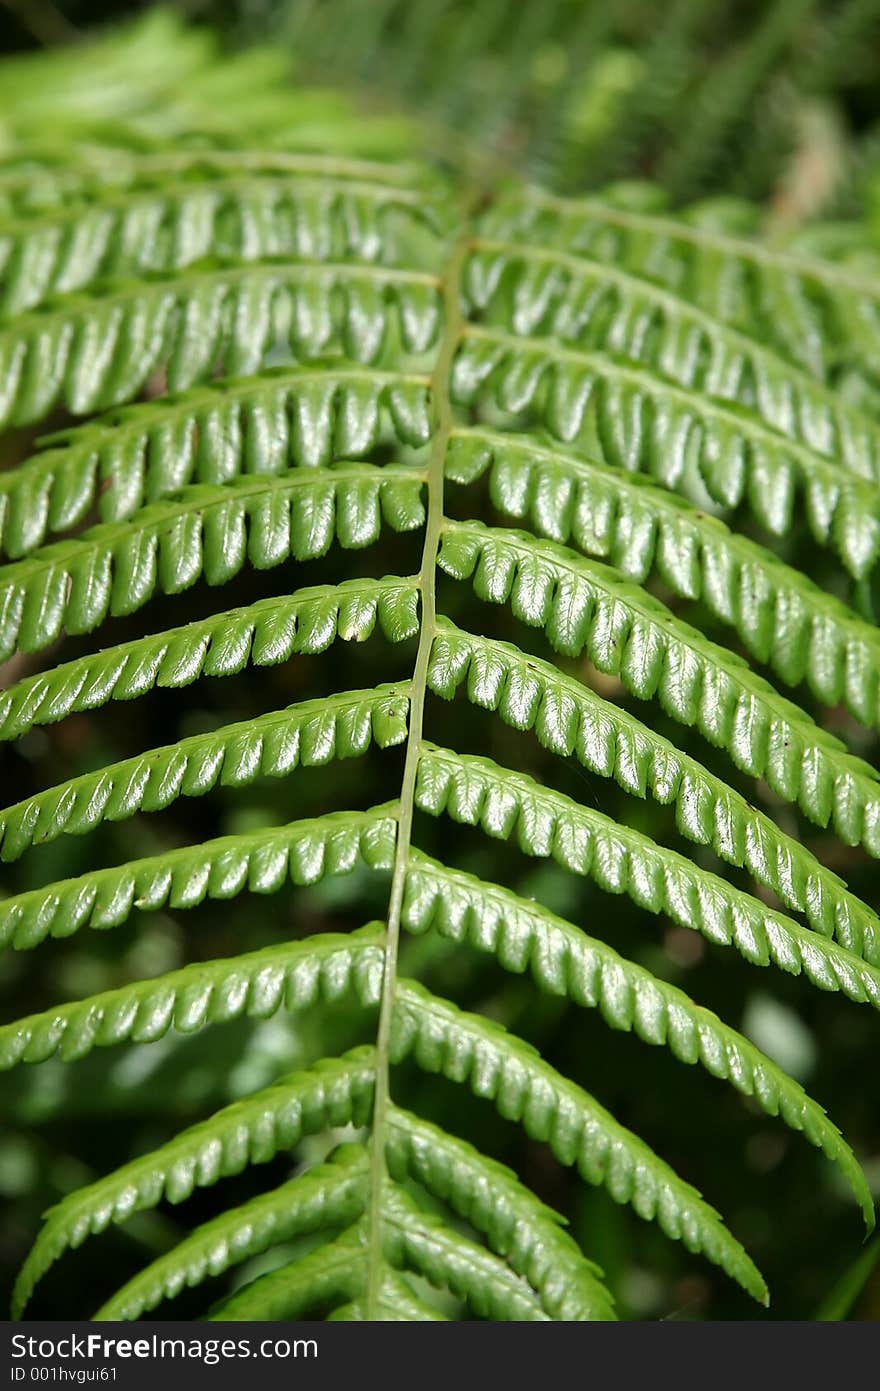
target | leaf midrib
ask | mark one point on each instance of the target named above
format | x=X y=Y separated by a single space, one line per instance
x=441 y=379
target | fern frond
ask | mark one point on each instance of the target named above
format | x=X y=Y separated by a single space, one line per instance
x=572 y=720
x=165 y=215
x=264 y=634
x=289 y=350
x=210 y=434
x=504 y=1069
x=256 y=985
x=260 y=861
x=638 y=421
x=396 y=1304
x=423 y=1243
x=208 y=531
x=331 y=1274
x=334 y=1092
x=42 y=173
x=477 y=791
x=549 y=293
x=90 y=352
x=494 y=1202
x=563 y=960
x=585 y=607
x=328 y=1195
x=800 y=630
x=815 y=312
x=309 y=734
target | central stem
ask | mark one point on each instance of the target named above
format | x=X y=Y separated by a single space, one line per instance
x=444 y=421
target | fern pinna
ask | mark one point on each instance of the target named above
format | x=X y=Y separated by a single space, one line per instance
x=589 y=414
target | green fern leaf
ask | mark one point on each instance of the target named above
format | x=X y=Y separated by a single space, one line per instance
x=814 y=312
x=494 y=1202
x=585 y=607
x=467 y=1048
x=307 y=735
x=595 y=305
x=166 y=214
x=92 y=352
x=261 y=861
x=256 y=984
x=207 y=532
x=329 y=1195
x=396 y=1304
x=295 y=348
x=565 y=961
x=264 y=634
x=337 y=1091
x=639 y=421
x=571 y=719
x=210 y=434
x=785 y=620
x=426 y=1245
x=333 y=1273
x=88 y=169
